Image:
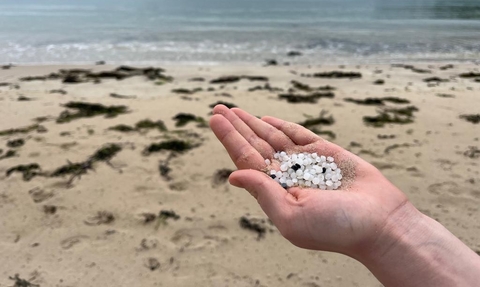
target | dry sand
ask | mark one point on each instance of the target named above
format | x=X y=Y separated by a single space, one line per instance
x=103 y=230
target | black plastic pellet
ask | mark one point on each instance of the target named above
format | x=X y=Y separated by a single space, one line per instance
x=295 y=168
x=324 y=170
x=284 y=185
x=273 y=176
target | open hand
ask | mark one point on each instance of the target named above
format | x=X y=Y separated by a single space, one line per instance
x=348 y=220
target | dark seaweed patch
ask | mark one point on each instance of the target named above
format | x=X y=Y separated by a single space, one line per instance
x=315 y=124
x=336 y=75
x=183 y=119
x=304 y=87
x=311 y=98
x=320 y=120
x=474 y=119
x=59 y=91
x=472 y=152
x=251 y=225
x=166 y=214
x=23 y=130
x=469 y=75
x=8 y=154
x=19 y=282
x=446 y=67
x=234 y=79
x=435 y=80
x=104 y=154
x=271 y=62
x=294 y=54
x=385 y=137
x=16 y=143
x=186 y=91
x=124 y=97
x=225 y=80
x=72 y=168
x=149 y=124
x=266 y=87
x=391 y=116
x=28 y=171
x=445 y=96
x=221 y=176
x=378 y=101
x=24 y=99
x=228 y=105
x=412 y=68
x=169 y=145
x=88 y=110
x=122 y=128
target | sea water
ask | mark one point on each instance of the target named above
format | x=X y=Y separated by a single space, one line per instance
x=247 y=31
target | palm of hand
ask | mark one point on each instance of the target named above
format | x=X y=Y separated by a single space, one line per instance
x=343 y=221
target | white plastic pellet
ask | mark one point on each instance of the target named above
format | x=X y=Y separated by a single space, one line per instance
x=305 y=170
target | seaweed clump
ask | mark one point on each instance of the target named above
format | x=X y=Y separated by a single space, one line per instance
x=149 y=124
x=254 y=226
x=28 y=171
x=315 y=124
x=391 y=116
x=23 y=130
x=19 y=282
x=104 y=154
x=472 y=152
x=445 y=96
x=378 y=101
x=182 y=119
x=234 y=79
x=122 y=128
x=228 y=105
x=186 y=91
x=304 y=87
x=337 y=75
x=8 y=154
x=311 y=98
x=140 y=126
x=474 y=119
x=221 y=176
x=174 y=145
x=88 y=110
x=469 y=75
x=16 y=143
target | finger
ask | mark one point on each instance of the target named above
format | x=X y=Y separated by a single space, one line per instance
x=265 y=149
x=276 y=138
x=241 y=152
x=298 y=134
x=271 y=197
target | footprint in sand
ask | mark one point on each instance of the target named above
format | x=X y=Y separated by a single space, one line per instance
x=198 y=238
x=69 y=242
x=39 y=195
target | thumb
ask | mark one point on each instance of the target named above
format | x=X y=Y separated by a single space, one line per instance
x=271 y=197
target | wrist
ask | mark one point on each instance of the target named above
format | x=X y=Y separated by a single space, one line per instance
x=412 y=249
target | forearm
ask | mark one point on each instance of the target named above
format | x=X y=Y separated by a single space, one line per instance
x=415 y=250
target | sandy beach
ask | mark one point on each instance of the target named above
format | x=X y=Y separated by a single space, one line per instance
x=111 y=176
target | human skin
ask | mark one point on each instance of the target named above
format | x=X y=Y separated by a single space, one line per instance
x=368 y=218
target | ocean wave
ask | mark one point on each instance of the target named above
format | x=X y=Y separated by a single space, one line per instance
x=208 y=51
